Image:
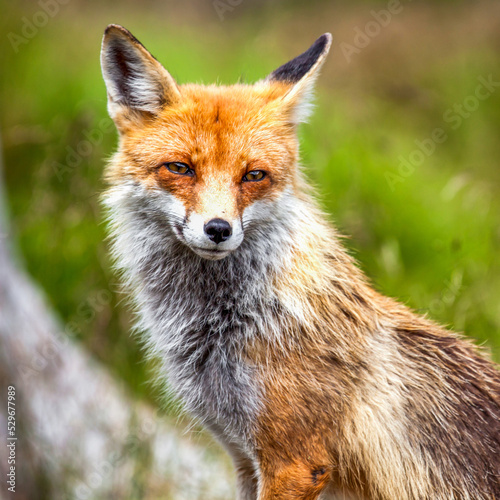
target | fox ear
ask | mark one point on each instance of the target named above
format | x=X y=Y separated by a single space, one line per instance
x=138 y=85
x=300 y=74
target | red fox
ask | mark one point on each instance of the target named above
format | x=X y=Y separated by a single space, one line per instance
x=316 y=385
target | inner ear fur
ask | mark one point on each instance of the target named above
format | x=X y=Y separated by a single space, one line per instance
x=137 y=84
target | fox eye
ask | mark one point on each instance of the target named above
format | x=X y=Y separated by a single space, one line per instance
x=254 y=175
x=179 y=168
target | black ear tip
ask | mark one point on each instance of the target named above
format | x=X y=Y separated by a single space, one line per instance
x=295 y=69
x=323 y=42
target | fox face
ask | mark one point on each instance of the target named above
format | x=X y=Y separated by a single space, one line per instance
x=217 y=162
x=211 y=167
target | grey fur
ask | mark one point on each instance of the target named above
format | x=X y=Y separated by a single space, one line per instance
x=198 y=315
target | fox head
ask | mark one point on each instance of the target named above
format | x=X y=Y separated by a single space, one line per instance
x=214 y=162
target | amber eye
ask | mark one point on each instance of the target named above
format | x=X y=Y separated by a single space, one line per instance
x=179 y=168
x=254 y=175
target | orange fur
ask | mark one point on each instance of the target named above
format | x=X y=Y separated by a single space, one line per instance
x=229 y=146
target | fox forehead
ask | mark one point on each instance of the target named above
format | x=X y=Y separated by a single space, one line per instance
x=220 y=131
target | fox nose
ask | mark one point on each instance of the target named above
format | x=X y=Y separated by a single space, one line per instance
x=218 y=230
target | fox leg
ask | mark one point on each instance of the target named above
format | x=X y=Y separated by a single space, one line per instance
x=246 y=479
x=296 y=481
x=245 y=467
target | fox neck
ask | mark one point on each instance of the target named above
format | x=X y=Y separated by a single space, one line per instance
x=210 y=321
x=204 y=317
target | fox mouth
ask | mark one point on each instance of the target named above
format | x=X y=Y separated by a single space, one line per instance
x=210 y=253
x=206 y=253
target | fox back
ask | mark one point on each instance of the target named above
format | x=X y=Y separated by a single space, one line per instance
x=315 y=384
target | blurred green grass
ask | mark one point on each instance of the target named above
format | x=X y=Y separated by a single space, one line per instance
x=433 y=241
